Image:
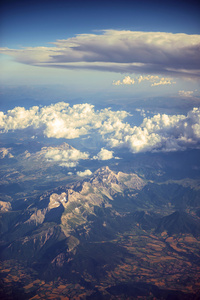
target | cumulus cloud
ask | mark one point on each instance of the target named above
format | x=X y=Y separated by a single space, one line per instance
x=185 y=94
x=142 y=112
x=163 y=81
x=127 y=81
x=148 y=78
x=59 y=120
x=18 y=118
x=155 y=80
x=161 y=132
x=104 y=154
x=119 y=51
x=66 y=158
x=118 y=82
x=84 y=173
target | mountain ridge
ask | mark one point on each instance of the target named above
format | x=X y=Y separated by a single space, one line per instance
x=104 y=230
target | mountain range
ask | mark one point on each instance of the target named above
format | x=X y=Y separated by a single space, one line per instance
x=112 y=235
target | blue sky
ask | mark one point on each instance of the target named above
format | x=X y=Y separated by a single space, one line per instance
x=30 y=23
x=41 y=23
x=141 y=59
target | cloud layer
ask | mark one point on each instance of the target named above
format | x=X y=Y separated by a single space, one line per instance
x=159 y=133
x=154 y=80
x=119 y=51
x=60 y=120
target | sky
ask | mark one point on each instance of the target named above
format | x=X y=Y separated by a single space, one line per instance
x=139 y=57
x=39 y=33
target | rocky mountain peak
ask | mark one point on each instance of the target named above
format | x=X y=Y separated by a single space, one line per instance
x=103 y=171
x=104 y=175
x=63 y=146
x=119 y=181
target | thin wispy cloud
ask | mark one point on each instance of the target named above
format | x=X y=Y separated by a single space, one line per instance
x=119 y=51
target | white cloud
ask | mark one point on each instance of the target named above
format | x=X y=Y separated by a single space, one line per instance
x=18 y=118
x=118 y=82
x=151 y=78
x=119 y=51
x=60 y=120
x=163 y=81
x=160 y=133
x=104 y=154
x=155 y=80
x=126 y=81
x=185 y=94
x=84 y=173
x=142 y=112
x=66 y=158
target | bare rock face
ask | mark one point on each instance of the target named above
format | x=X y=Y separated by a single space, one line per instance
x=59 y=260
x=56 y=200
x=97 y=234
x=97 y=191
x=78 y=201
x=80 y=198
x=104 y=176
x=131 y=181
x=38 y=216
x=116 y=183
x=5 y=206
x=5 y=152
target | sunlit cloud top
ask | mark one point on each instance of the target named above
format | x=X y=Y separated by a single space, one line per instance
x=154 y=80
x=160 y=132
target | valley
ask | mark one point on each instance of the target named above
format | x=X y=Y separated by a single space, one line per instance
x=112 y=235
